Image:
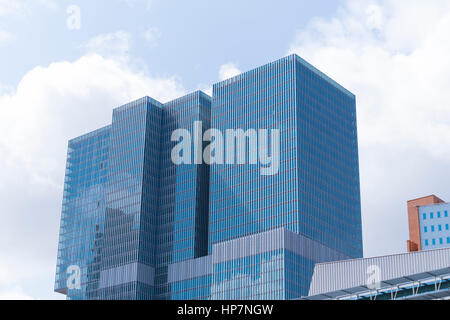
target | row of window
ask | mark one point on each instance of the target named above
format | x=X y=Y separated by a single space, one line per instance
x=433 y=241
x=433 y=229
x=432 y=215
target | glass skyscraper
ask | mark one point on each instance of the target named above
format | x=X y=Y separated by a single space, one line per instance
x=139 y=226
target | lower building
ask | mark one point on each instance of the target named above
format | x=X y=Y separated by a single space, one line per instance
x=429 y=224
x=423 y=275
x=272 y=265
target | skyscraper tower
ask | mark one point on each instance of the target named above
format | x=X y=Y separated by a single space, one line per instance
x=140 y=226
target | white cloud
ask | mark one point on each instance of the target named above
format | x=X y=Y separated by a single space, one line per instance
x=15 y=293
x=24 y=274
x=5 y=89
x=132 y=3
x=5 y=36
x=116 y=44
x=374 y=17
x=21 y=7
x=49 y=106
x=152 y=35
x=228 y=70
x=393 y=55
x=9 y=6
x=66 y=97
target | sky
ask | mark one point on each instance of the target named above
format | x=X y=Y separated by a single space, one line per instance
x=64 y=65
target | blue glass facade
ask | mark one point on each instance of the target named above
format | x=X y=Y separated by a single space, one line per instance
x=143 y=211
x=83 y=212
x=276 y=265
x=274 y=275
x=251 y=277
x=225 y=231
x=316 y=192
x=243 y=202
x=132 y=201
x=328 y=165
x=191 y=279
x=184 y=192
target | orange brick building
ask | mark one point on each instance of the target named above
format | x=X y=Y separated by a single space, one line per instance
x=414 y=242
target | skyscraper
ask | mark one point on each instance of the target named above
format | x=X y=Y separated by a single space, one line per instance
x=184 y=192
x=83 y=214
x=128 y=211
x=225 y=231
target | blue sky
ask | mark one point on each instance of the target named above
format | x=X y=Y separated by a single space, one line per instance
x=57 y=83
x=192 y=38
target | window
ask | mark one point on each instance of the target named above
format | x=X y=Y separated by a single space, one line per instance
x=438 y=214
x=446 y=213
x=432 y=228
x=434 y=242
x=440 y=228
x=446 y=226
x=426 y=242
x=424 y=216
x=425 y=229
x=440 y=241
x=448 y=239
x=431 y=215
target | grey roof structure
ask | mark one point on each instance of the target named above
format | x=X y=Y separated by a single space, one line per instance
x=419 y=275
